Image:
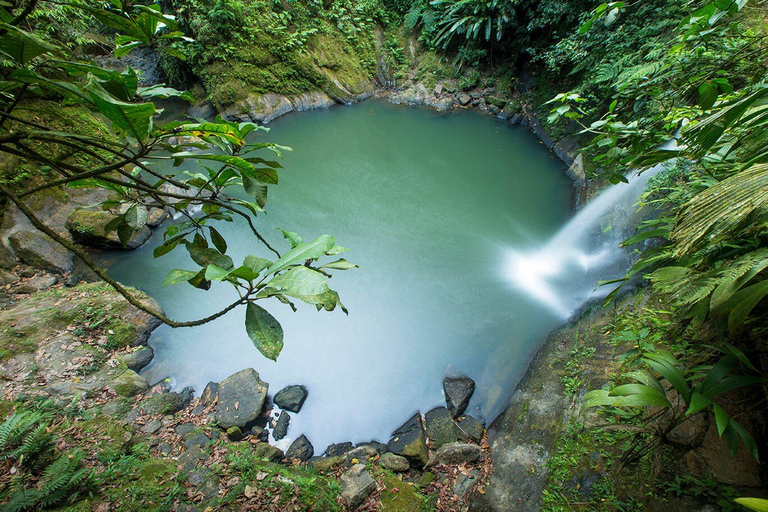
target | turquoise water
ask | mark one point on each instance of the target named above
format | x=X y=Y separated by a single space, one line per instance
x=430 y=204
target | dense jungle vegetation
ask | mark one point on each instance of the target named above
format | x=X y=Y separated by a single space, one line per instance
x=678 y=83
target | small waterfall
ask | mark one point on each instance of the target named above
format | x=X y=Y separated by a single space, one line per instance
x=563 y=274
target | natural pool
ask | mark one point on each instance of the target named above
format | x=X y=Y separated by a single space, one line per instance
x=430 y=205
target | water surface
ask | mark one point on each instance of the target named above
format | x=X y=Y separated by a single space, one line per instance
x=430 y=205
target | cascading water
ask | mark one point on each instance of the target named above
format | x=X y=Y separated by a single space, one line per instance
x=563 y=274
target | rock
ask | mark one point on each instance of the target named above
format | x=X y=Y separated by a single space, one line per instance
x=202 y=110
x=300 y=449
x=312 y=100
x=37 y=283
x=41 y=252
x=380 y=448
x=494 y=110
x=268 y=452
x=464 y=99
x=129 y=383
x=291 y=398
x=138 y=358
x=235 y=434
x=360 y=454
x=458 y=391
x=156 y=216
x=356 y=485
x=576 y=170
x=200 y=440
x=516 y=119
x=410 y=441
x=166 y=403
x=441 y=429
x=394 y=462
x=465 y=481
x=449 y=87
x=325 y=464
x=455 y=453
x=398 y=496
x=281 y=426
x=241 y=399
x=152 y=427
x=210 y=394
x=438 y=89
x=88 y=228
x=7 y=277
x=496 y=101
x=471 y=429
x=338 y=449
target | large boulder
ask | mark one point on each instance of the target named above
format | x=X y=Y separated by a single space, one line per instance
x=441 y=429
x=241 y=399
x=356 y=485
x=167 y=403
x=410 y=441
x=301 y=449
x=210 y=394
x=88 y=228
x=281 y=426
x=458 y=391
x=394 y=463
x=138 y=358
x=129 y=383
x=455 y=453
x=338 y=449
x=41 y=252
x=291 y=398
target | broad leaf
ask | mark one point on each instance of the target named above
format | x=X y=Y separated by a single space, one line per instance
x=307 y=285
x=135 y=119
x=177 y=276
x=264 y=330
x=302 y=252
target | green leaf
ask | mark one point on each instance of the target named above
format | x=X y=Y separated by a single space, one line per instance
x=305 y=251
x=162 y=92
x=698 y=403
x=168 y=245
x=755 y=504
x=265 y=331
x=645 y=235
x=214 y=273
x=293 y=238
x=136 y=216
x=743 y=302
x=721 y=419
x=205 y=256
x=340 y=264
x=218 y=241
x=639 y=395
x=256 y=264
x=746 y=438
x=177 y=276
x=135 y=119
x=22 y=46
x=199 y=281
x=307 y=285
x=666 y=364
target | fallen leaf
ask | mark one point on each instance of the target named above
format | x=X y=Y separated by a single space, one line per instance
x=261 y=475
x=249 y=492
x=237 y=405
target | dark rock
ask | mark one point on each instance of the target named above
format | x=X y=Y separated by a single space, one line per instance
x=394 y=462
x=202 y=110
x=410 y=441
x=381 y=448
x=516 y=119
x=281 y=426
x=291 y=398
x=185 y=428
x=257 y=431
x=464 y=99
x=7 y=277
x=465 y=481
x=39 y=251
x=441 y=429
x=235 y=434
x=360 y=454
x=88 y=228
x=163 y=386
x=471 y=429
x=200 y=440
x=455 y=453
x=356 y=485
x=325 y=464
x=268 y=452
x=241 y=399
x=458 y=391
x=189 y=459
x=210 y=394
x=166 y=403
x=300 y=449
x=138 y=358
x=71 y=280
x=152 y=427
x=338 y=449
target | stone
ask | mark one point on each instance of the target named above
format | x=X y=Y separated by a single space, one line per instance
x=458 y=391
x=235 y=434
x=152 y=427
x=268 y=452
x=410 y=441
x=438 y=89
x=7 y=277
x=449 y=87
x=465 y=481
x=312 y=100
x=356 y=486
x=37 y=283
x=325 y=464
x=338 y=449
x=40 y=251
x=138 y=358
x=360 y=454
x=129 y=383
x=464 y=99
x=166 y=403
x=394 y=463
x=291 y=398
x=471 y=429
x=156 y=216
x=88 y=228
x=455 y=453
x=398 y=496
x=185 y=428
x=241 y=399
x=210 y=394
x=496 y=101
x=200 y=440
x=440 y=427
x=281 y=426
x=202 y=110
x=516 y=119
x=576 y=171
x=379 y=447
x=300 y=449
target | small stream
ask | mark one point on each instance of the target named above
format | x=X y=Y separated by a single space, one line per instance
x=436 y=209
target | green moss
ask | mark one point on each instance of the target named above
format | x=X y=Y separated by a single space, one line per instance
x=399 y=496
x=109 y=437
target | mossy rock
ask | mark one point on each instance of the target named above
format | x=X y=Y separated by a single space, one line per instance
x=109 y=437
x=129 y=383
x=40 y=251
x=88 y=227
x=404 y=499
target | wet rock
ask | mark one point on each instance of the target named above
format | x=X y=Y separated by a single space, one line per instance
x=464 y=99
x=291 y=398
x=338 y=449
x=394 y=462
x=471 y=429
x=398 y=496
x=268 y=452
x=440 y=427
x=455 y=453
x=410 y=441
x=39 y=251
x=281 y=426
x=458 y=391
x=88 y=228
x=137 y=359
x=325 y=464
x=37 y=283
x=356 y=485
x=200 y=440
x=235 y=434
x=300 y=449
x=449 y=87
x=163 y=386
x=312 y=100
x=210 y=394
x=129 y=383
x=202 y=110
x=380 y=448
x=360 y=454
x=166 y=403
x=241 y=399
x=496 y=101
